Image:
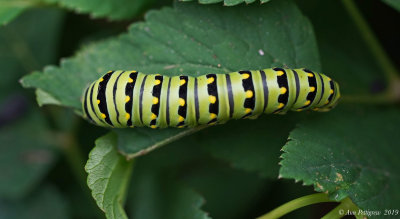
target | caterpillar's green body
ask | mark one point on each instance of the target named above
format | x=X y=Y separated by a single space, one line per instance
x=129 y=98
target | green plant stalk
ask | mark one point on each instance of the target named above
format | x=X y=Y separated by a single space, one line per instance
x=296 y=204
x=346 y=207
x=372 y=41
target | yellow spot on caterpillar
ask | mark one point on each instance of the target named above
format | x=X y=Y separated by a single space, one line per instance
x=101 y=79
x=331 y=91
x=153 y=126
x=127 y=116
x=109 y=72
x=245 y=76
x=153 y=116
x=329 y=78
x=249 y=94
x=247 y=110
x=181 y=102
x=283 y=90
x=158 y=75
x=155 y=100
x=307 y=103
x=212 y=99
x=130 y=80
x=312 y=89
x=103 y=116
x=133 y=71
x=180 y=126
x=210 y=80
x=310 y=75
x=280 y=73
x=182 y=82
x=127 y=99
x=213 y=115
x=281 y=105
x=98 y=102
x=181 y=119
x=157 y=82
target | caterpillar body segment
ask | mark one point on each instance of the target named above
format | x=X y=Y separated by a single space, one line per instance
x=128 y=98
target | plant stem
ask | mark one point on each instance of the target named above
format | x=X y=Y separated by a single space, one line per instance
x=295 y=204
x=346 y=207
x=371 y=40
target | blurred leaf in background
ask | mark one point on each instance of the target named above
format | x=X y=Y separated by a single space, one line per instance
x=26 y=155
x=40 y=204
x=394 y=3
x=24 y=47
x=27 y=151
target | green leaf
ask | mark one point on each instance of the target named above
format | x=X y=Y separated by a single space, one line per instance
x=156 y=197
x=217 y=182
x=192 y=39
x=114 y=10
x=227 y=2
x=43 y=97
x=25 y=155
x=157 y=190
x=228 y=193
x=203 y=43
x=263 y=139
x=352 y=153
x=39 y=204
x=393 y=3
x=7 y=14
x=143 y=140
x=108 y=176
x=250 y=145
x=9 y=10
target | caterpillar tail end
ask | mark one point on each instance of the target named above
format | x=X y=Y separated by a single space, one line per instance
x=335 y=100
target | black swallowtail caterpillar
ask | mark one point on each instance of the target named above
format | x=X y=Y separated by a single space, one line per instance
x=129 y=98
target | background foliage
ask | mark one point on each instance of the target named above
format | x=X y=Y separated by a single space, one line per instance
x=242 y=169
